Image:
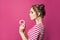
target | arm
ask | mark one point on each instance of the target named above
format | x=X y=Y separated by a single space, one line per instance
x=22 y=31
x=23 y=35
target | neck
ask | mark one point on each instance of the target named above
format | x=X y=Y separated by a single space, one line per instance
x=38 y=20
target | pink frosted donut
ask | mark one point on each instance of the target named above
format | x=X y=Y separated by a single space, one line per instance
x=21 y=22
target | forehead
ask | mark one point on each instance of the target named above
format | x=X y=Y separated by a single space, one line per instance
x=31 y=9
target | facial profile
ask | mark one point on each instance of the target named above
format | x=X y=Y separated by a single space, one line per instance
x=32 y=14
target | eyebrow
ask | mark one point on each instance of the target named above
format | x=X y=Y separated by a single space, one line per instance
x=30 y=11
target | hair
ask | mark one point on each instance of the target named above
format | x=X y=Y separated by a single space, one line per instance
x=39 y=8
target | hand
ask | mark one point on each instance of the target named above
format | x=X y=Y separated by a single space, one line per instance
x=22 y=26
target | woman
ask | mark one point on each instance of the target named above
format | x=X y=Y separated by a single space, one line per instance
x=37 y=13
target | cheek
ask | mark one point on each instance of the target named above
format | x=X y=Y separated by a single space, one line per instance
x=33 y=16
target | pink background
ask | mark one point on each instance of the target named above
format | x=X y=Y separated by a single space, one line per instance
x=11 y=11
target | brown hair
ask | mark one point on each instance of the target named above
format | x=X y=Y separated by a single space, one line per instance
x=39 y=8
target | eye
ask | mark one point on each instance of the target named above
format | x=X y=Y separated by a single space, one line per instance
x=31 y=12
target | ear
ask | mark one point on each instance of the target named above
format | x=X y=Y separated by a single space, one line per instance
x=38 y=13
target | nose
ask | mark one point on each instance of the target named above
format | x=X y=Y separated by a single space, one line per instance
x=29 y=14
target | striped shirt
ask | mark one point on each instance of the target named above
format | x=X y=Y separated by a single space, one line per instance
x=36 y=32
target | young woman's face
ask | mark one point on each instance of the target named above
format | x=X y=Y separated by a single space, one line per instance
x=32 y=14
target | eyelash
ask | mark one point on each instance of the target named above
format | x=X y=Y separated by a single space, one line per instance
x=32 y=12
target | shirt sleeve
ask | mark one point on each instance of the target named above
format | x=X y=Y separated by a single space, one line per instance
x=35 y=32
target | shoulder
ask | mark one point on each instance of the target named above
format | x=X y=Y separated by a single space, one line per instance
x=39 y=25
